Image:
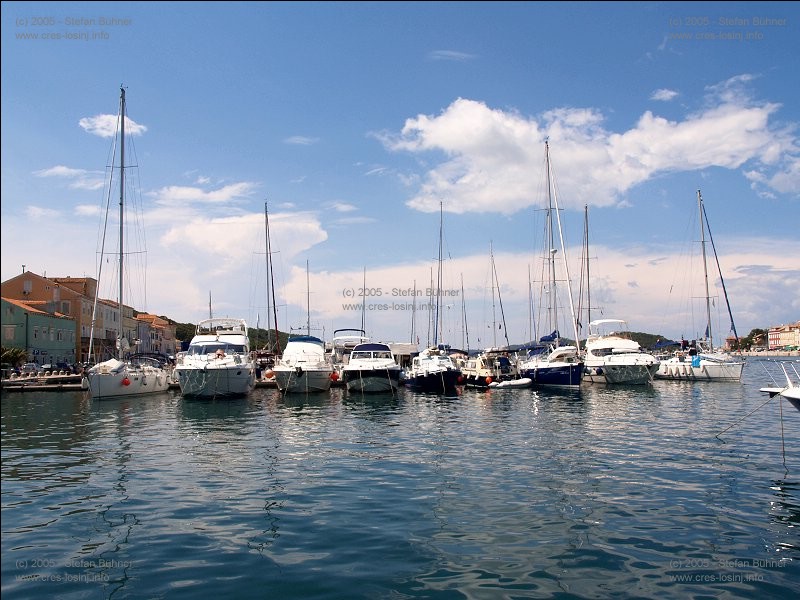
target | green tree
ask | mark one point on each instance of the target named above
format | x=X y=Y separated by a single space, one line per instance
x=13 y=356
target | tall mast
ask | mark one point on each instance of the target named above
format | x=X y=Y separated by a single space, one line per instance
x=551 y=251
x=121 y=216
x=438 y=278
x=709 y=335
x=586 y=249
x=414 y=312
x=496 y=281
x=494 y=315
x=308 y=302
x=464 y=313
x=364 y=301
x=270 y=285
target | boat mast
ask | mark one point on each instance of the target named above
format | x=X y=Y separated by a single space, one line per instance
x=270 y=286
x=364 y=303
x=496 y=281
x=308 y=302
x=551 y=252
x=709 y=335
x=414 y=312
x=586 y=263
x=464 y=314
x=721 y=278
x=121 y=217
x=494 y=316
x=438 y=278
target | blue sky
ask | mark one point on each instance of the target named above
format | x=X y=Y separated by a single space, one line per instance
x=355 y=121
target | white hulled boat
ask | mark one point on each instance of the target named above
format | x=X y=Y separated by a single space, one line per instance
x=613 y=357
x=699 y=360
x=218 y=362
x=126 y=374
x=371 y=368
x=303 y=366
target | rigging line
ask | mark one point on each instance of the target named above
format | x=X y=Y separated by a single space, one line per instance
x=783 y=445
x=500 y=301
x=743 y=418
x=721 y=279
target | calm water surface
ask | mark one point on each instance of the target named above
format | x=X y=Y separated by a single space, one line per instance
x=666 y=491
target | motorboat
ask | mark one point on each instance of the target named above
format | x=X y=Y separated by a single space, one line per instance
x=303 y=366
x=613 y=357
x=218 y=362
x=371 y=368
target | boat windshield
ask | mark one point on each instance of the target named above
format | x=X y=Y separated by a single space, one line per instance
x=202 y=349
x=365 y=354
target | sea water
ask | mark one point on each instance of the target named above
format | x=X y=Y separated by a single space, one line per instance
x=669 y=490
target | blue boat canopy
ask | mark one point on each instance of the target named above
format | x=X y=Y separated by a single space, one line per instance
x=550 y=338
x=373 y=347
x=306 y=338
x=666 y=343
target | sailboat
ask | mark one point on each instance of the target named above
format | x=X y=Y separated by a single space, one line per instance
x=433 y=370
x=126 y=374
x=700 y=360
x=549 y=363
x=266 y=357
x=493 y=367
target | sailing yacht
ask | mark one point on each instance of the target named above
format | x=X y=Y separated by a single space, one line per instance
x=493 y=367
x=433 y=370
x=700 y=360
x=549 y=363
x=127 y=374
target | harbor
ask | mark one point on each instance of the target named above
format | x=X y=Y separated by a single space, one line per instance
x=671 y=490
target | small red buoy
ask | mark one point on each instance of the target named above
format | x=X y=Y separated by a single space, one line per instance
x=488 y=380
x=126 y=381
x=269 y=374
x=460 y=379
x=334 y=376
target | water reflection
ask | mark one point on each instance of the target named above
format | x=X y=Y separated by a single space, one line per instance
x=494 y=493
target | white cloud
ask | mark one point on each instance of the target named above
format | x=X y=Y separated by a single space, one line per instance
x=492 y=160
x=664 y=95
x=300 y=140
x=453 y=55
x=80 y=178
x=105 y=126
x=343 y=207
x=185 y=194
